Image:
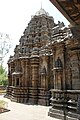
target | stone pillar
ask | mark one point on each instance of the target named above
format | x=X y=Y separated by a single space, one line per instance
x=34 y=78
x=43 y=80
x=27 y=73
x=35 y=69
x=53 y=69
x=23 y=63
x=63 y=51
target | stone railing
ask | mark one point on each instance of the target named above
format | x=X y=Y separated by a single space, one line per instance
x=65 y=104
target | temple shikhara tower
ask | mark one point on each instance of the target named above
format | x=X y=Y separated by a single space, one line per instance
x=45 y=68
x=30 y=70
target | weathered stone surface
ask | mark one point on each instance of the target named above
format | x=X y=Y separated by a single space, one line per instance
x=47 y=57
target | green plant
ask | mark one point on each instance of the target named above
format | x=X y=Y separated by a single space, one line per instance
x=3 y=104
x=3 y=76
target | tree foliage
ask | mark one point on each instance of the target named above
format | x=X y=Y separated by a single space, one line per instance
x=3 y=76
x=5 y=45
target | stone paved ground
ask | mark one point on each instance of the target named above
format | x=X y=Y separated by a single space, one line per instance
x=25 y=112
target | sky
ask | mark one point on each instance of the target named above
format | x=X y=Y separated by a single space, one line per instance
x=16 y=14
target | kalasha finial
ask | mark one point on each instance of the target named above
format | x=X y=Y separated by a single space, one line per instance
x=41 y=4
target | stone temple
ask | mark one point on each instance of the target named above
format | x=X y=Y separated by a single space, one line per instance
x=45 y=68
